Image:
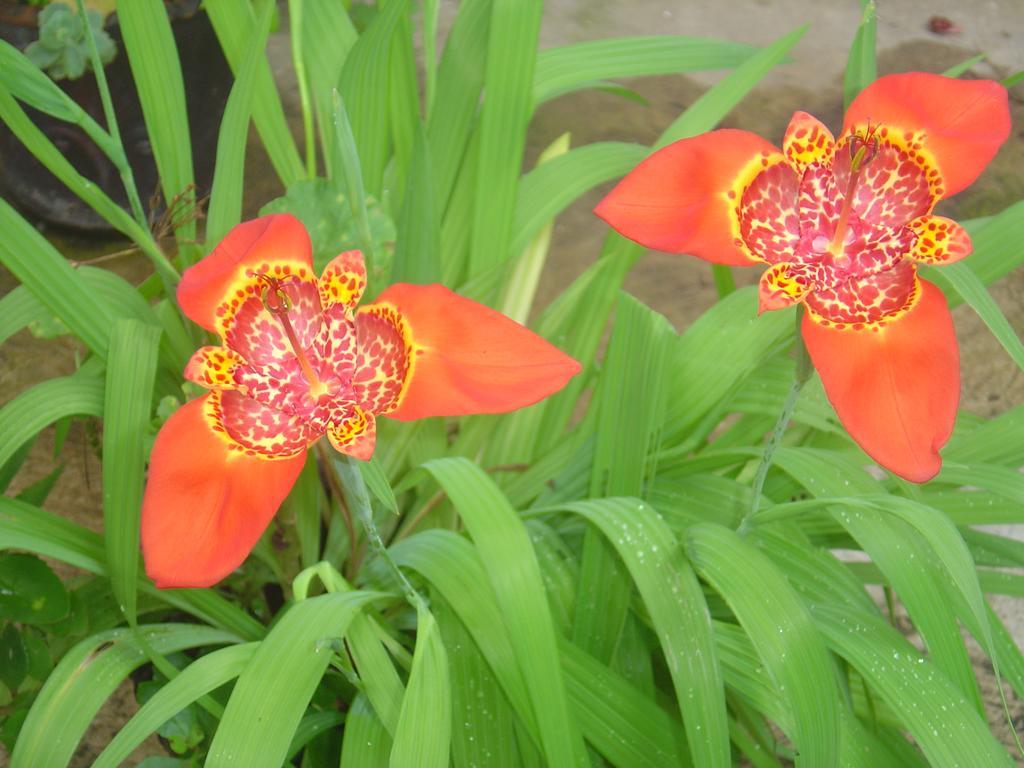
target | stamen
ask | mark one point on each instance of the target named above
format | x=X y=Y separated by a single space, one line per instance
x=279 y=303
x=864 y=148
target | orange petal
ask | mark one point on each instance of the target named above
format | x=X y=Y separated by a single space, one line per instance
x=961 y=123
x=939 y=240
x=685 y=198
x=807 y=141
x=343 y=281
x=895 y=386
x=465 y=357
x=206 y=502
x=267 y=240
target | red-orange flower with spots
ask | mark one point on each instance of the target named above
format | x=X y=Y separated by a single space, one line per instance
x=842 y=223
x=298 y=360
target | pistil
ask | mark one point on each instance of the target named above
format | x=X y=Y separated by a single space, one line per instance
x=278 y=303
x=861 y=157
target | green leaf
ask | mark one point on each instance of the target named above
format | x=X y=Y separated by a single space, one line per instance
x=26 y=415
x=366 y=743
x=30 y=592
x=861 y=70
x=569 y=68
x=718 y=351
x=276 y=686
x=621 y=722
x=943 y=724
x=970 y=288
x=195 y=681
x=514 y=574
x=327 y=216
x=156 y=71
x=365 y=91
x=237 y=25
x=225 y=209
x=349 y=171
x=911 y=569
x=37 y=492
x=377 y=481
x=46 y=152
x=418 y=249
x=424 y=726
x=548 y=189
x=679 y=613
x=485 y=731
x=994 y=241
x=460 y=78
x=965 y=65
x=716 y=103
x=780 y=628
x=635 y=363
x=508 y=88
x=84 y=679
x=526 y=268
x=13 y=659
x=131 y=368
x=47 y=275
x=29 y=84
x=23 y=526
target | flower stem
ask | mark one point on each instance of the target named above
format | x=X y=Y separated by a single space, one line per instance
x=800 y=377
x=358 y=500
x=724 y=282
x=324 y=455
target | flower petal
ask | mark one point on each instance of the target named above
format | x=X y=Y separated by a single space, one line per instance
x=939 y=240
x=782 y=285
x=262 y=429
x=961 y=123
x=769 y=221
x=895 y=386
x=684 y=198
x=896 y=184
x=461 y=357
x=807 y=141
x=213 y=367
x=204 y=286
x=206 y=502
x=354 y=433
x=860 y=301
x=343 y=281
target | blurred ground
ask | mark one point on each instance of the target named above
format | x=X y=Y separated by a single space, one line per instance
x=678 y=287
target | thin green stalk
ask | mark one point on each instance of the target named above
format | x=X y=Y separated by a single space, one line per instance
x=353 y=175
x=430 y=13
x=299 y=63
x=121 y=160
x=144 y=237
x=800 y=377
x=724 y=282
x=358 y=499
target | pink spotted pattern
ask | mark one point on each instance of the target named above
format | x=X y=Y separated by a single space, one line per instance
x=842 y=239
x=263 y=401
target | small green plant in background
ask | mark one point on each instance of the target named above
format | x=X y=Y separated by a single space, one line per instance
x=63 y=45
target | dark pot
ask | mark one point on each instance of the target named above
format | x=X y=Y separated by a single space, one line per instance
x=207 y=82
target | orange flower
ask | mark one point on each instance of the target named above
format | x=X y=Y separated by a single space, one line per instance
x=298 y=361
x=842 y=224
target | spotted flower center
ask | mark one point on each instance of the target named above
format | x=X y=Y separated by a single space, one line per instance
x=297 y=362
x=837 y=228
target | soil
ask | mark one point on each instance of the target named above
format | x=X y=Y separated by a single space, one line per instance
x=680 y=288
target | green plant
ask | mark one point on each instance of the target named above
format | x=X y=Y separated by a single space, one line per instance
x=565 y=585
x=63 y=46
